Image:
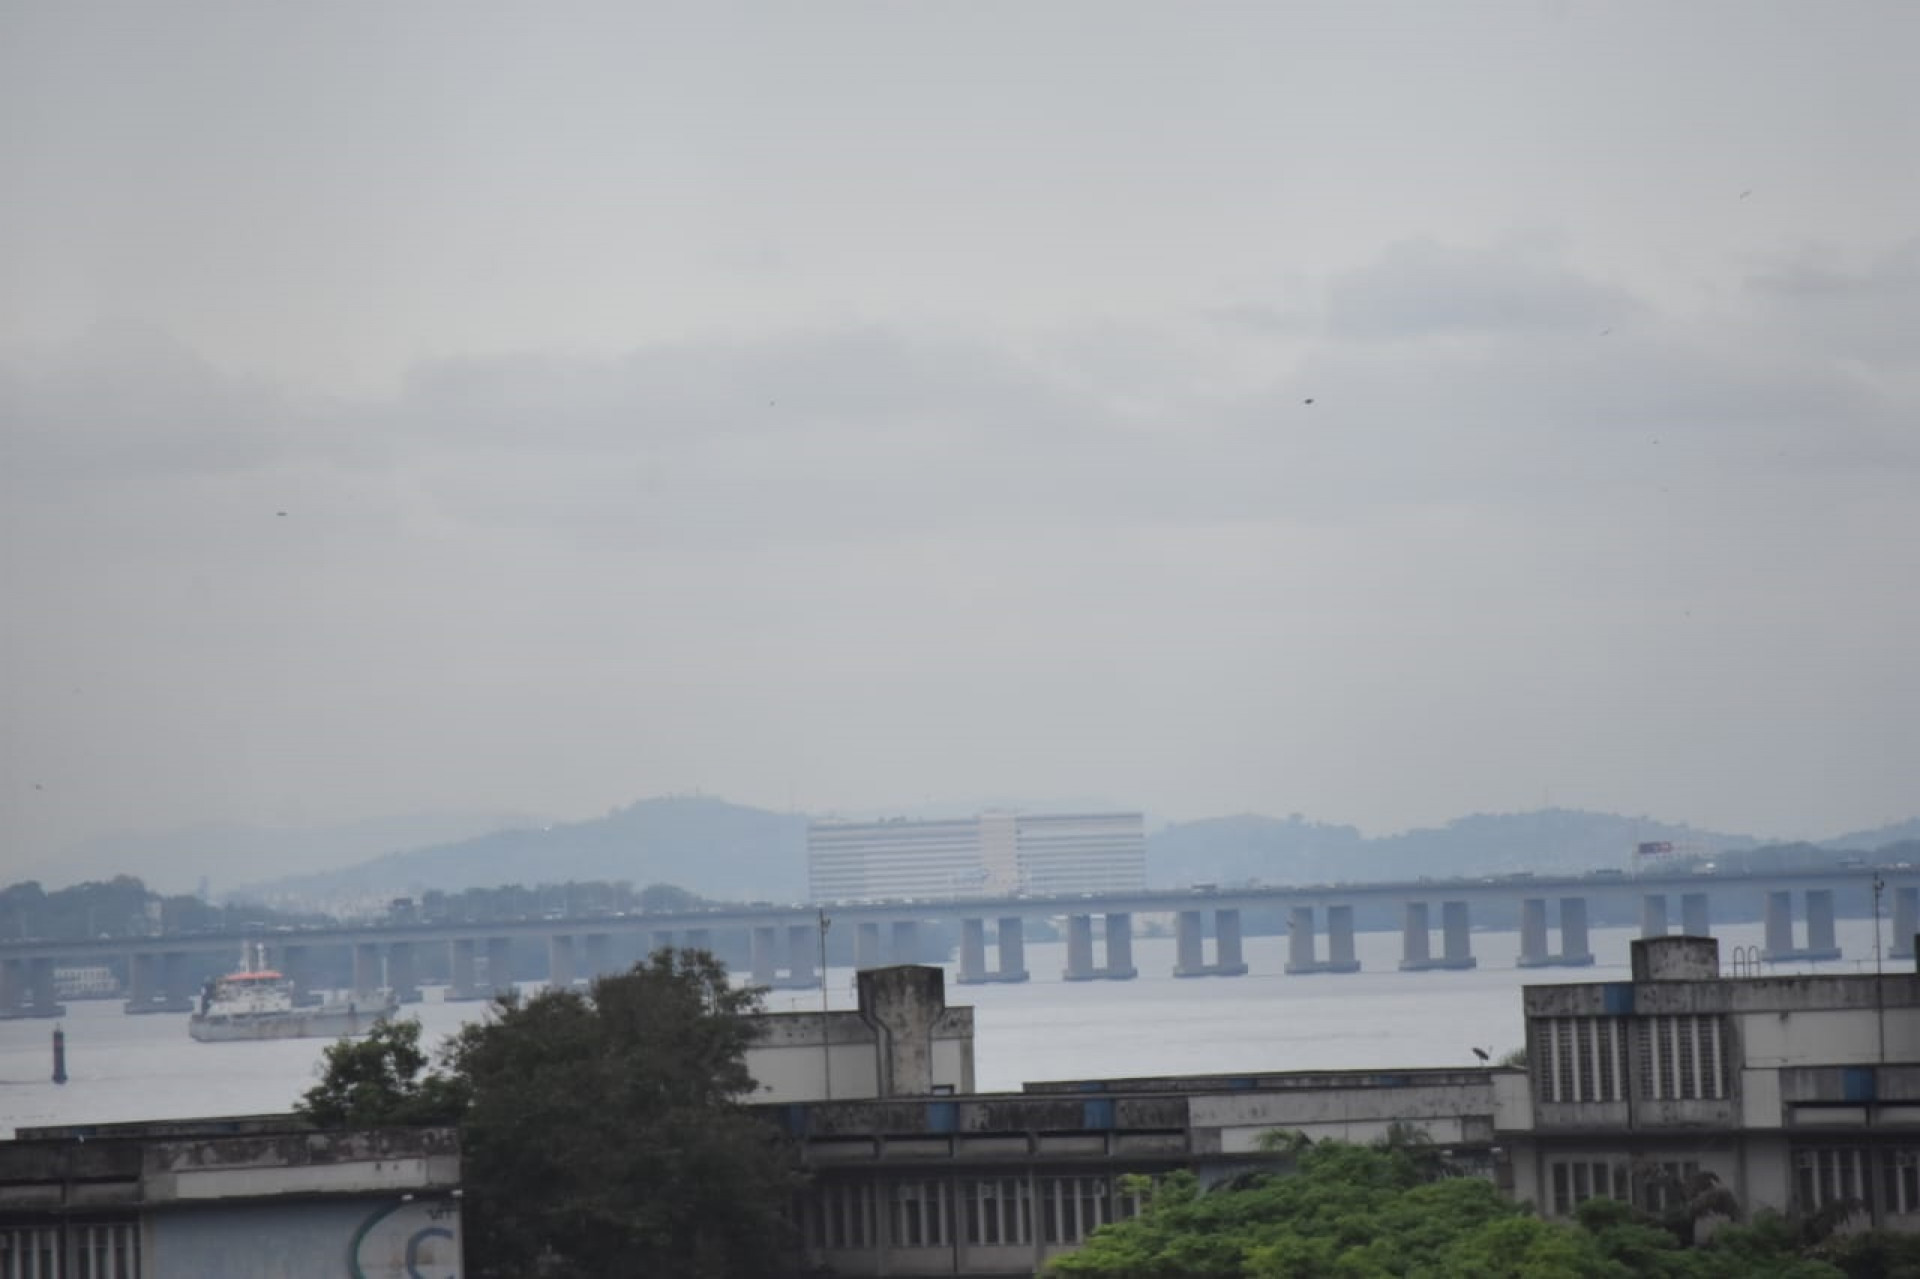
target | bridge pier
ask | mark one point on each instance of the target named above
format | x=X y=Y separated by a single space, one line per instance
x=803 y=943
x=1695 y=918
x=500 y=964
x=1119 y=949
x=866 y=944
x=904 y=942
x=143 y=982
x=176 y=976
x=462 y=972
x=400 y=972
x=27 y=990
x=599 y=955
x=560 y=961
x=1820 y=940
x=1573 y=952
x=1190 y=945
x=296 y=965
x=1906 y=921
x=760 y=952
x=1010 y=942
x=700 y=939
x=1300 y=941
x=1416 y=941
x=1653 y=915
x=658 y=940
x=366 y=967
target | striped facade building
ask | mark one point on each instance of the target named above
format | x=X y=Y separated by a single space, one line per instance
x=993 y=854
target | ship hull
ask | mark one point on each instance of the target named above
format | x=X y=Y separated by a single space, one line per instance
x=299 y=1023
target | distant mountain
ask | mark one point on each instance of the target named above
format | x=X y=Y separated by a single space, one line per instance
x=705 y=845
x=1879 y=837
x=1295 y=851
x=175 y=861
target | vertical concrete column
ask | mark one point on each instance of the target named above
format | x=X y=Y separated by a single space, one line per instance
x=1653 y=915
x=1079 y=948
x=1533 y=932
x=41 y=989
x=296 y=965
x=1340 y=956
x=1695 y=919
x=762 y=952
x=1456 y=927
x=1779 y=924
x=1415 y=948
x=1227 y=959
x=1189 y=955
x=143 y=982
x=1300 y=940
x=560 y=961
x=366 y=967
x=1120 y=945
x=700 y=939
x=866 y=945
x=13 y=985
x=803 y=944
x=1013 y=948
x=904 y=944
x=599 y=954
x=1820 y=924
x=1906 y=921
x=461 y=974
x=661 y=939
x=400 y=972
x=1574 y=952
x=500 y=964
x=973 y=951
x=177 y=969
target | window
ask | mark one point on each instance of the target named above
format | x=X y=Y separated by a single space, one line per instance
x=1832 y=1175
x=80 y=1250
x=1682 y=1058
x=920 y=1215
x=998 y=1210
x=1577 y=1180
x=1580 y=1058
x=842 y=1216
x=1071 y=1208
x=1664 y=1186
x=1902 y=1181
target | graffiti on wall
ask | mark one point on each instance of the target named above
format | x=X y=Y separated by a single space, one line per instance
x=412 y=1239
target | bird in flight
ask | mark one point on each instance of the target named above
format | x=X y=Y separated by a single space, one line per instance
x=1308 y=400
x=1483 y=1054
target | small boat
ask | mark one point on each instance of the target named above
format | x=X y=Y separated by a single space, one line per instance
x=256 y=1002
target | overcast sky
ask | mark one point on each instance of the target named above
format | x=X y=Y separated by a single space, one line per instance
x=1378 y=411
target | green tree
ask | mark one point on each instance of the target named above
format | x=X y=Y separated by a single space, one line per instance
x=603 y=1133
x=382 y=1081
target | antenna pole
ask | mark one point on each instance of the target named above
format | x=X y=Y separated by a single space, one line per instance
x=826 y=1036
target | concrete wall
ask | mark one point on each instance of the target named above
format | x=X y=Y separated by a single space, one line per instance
x=384 y=1238
x=1828 y=1036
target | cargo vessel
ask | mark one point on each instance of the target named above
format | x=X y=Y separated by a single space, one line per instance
x=256 y=1002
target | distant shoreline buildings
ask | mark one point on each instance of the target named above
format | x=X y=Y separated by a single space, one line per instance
x=993 y=854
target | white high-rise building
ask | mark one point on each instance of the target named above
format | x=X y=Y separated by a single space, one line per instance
x=994 y=854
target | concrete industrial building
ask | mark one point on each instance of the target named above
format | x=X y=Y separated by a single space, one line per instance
x=993 y=854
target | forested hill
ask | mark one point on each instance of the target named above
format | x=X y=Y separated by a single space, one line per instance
x=705 y=845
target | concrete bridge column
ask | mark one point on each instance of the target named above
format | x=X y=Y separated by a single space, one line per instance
x=1079 y=949
x=1779 y=924
x=1820 y=921
x=1653 y=915
x=599 y=954
x=1415 y=948
x=803 y=944
x=1340 y=956
x=366 y=967
x=1574 y=951
x=500 y=964
x=1227 y=958
x=700 y=939
x=1456 y=929
x=1189 y=954
x=1906 y=921
x=866 y=945
x=1012 y=945
x=43 y=1000
x=296 y=965
x=143 y=982
x=660 y=939
x=1533 y=933
x=762 y=953
x=1695 y=919
x=560 y=961
x=904 y=943
x=1300 y=941
x=13 y=986
x=973 y=952
x=400 y=972
x=1119 y=947
x=461 y=971
x=176 y=975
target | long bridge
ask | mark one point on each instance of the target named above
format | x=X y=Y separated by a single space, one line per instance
x=163 y=973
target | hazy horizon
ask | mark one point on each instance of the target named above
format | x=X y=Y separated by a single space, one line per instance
x=1385 y=414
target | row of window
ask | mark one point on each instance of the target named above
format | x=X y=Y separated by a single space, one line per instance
x=1679 y=1057
x=1652 y=1186
x=938 y=1213
x=76 y=1250
x=1885 y=1180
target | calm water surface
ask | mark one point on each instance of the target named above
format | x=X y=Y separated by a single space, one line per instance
x=127 y=1068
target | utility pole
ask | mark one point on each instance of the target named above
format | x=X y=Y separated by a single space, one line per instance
x=826 y=1037
x=1879 y=974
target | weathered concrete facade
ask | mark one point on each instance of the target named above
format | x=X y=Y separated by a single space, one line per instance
x=903 y=1040
x=242 y=1198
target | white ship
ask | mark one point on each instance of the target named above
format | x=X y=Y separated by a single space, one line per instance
x=256 y=1002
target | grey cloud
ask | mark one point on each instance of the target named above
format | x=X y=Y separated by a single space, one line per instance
x=1423 y=288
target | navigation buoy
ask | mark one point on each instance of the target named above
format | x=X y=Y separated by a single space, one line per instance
x=59 y=1055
